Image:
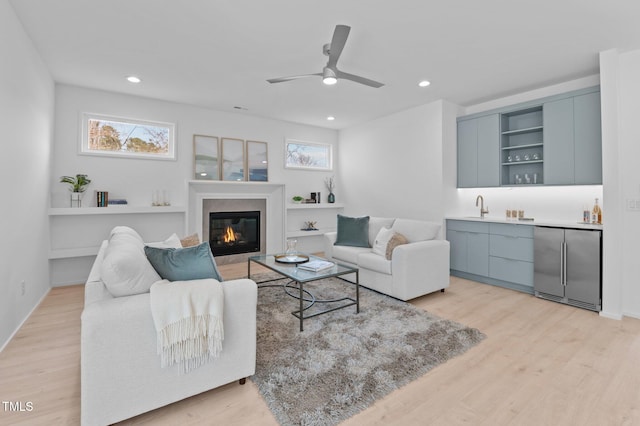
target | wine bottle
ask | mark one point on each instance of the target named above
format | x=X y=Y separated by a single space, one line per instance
x=596 y=213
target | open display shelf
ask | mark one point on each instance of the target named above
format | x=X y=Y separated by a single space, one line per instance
x=521 y=147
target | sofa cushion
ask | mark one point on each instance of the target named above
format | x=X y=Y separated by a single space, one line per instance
x=125 y=269
x=416 y=230
x=376 y=224
x=349 y=254
x=184 y=264
x=381 y=241
x=396 y=240
x=353 y=231
x=374 y=262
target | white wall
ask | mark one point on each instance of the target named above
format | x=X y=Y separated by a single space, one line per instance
x=26 y=105
x=621 y=150
x=393 y=166
x=136 y=179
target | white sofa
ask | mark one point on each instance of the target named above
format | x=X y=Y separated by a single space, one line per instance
x=415 y=269
x=121 y=375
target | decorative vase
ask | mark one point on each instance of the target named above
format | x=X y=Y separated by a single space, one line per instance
x=292 y=251
x=76 y=199
x=331 y=198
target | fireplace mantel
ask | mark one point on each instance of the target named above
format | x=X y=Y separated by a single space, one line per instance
x=272 y=193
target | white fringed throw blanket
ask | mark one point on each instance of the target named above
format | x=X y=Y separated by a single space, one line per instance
x=188 y=319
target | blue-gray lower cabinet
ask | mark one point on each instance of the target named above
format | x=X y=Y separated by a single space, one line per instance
x=493 y=253
x=469 y=242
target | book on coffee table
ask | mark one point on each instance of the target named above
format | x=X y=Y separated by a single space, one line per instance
x=316 y=265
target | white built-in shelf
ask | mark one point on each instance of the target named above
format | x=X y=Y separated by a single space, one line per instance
x=73 y=252
x=293 y=206
x=114 y=209
x=301 y=233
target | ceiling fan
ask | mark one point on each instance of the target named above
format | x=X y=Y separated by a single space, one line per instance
x=330 y=73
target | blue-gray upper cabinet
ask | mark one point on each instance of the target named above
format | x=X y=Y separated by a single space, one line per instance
x=478 y=152
x=573 y=141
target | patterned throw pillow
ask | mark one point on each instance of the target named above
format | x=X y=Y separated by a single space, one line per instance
x=395 y=241
x=190 y=240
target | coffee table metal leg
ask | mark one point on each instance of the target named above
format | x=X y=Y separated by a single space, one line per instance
x=301 y=300
x=357 y=291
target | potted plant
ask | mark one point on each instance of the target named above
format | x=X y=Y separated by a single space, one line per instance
x=78 y=184
x=297 y=199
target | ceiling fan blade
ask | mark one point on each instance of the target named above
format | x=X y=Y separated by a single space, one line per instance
x=358 y=79
x=338 y=41
x=293 y=77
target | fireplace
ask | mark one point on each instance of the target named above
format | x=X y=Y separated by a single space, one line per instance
x=234 y=232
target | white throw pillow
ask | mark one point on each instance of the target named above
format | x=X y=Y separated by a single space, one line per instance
x=125 y=269
x=381 y=241
x=172 y=242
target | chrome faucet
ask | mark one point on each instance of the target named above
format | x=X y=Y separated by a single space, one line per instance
x=483 y=211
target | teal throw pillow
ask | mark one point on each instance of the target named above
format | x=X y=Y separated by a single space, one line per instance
x=183 y=264
x=353 y=231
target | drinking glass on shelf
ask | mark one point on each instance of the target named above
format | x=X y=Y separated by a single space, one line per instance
x=527 y=157
x=509 y=158
x=527 y=178
x=517 y=158
x=536 y=156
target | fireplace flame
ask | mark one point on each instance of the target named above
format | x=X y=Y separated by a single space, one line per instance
x=229 y=236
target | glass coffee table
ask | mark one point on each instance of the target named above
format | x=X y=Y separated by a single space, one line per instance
x=298 y=277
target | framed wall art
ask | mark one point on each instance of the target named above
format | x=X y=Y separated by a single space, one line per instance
x=307 y=155
x=206 y=153
x=257 y=161
x=232 y=166
x=127 y=137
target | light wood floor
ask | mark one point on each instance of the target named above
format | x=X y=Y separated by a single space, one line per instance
x=542 y=363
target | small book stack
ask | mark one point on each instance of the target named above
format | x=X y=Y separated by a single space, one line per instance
x=316 y=265
x=117 y=201
x=102 y=198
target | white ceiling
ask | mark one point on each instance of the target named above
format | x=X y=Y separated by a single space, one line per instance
x=218 y=54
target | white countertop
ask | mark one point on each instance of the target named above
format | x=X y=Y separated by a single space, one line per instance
x=557 y=224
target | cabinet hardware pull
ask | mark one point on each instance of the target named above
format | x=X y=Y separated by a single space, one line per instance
x=565 y=263
x=562 y=264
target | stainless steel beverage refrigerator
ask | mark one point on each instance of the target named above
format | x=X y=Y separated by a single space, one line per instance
x=568 y=266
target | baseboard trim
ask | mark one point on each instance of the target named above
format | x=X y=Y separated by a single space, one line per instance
x=4 y=345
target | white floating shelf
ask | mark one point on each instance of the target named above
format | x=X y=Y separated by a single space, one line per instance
x=73 y=252
x=292 y=206
x=301 y=233
x=114 y=209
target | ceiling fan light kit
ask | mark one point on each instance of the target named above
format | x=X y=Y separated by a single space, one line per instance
x=330 y=73
x=329 y=76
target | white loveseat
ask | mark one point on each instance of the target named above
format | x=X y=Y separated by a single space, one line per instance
x=417 y=268
x=121 y=375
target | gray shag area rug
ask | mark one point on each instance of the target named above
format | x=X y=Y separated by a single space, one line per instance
x=342 y=362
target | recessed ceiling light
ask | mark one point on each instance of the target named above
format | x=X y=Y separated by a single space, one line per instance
x=424 y=83
x=133 y=79
x=331 y=118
